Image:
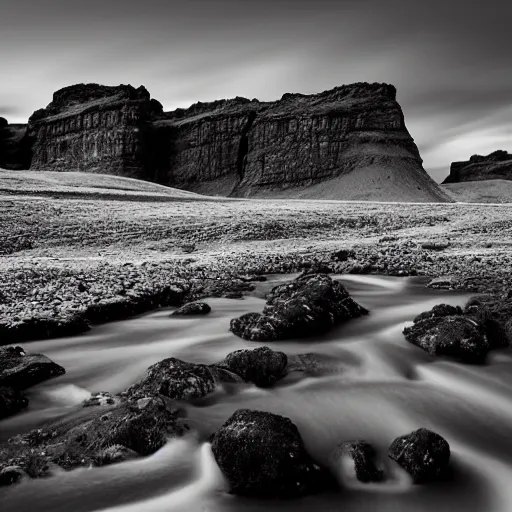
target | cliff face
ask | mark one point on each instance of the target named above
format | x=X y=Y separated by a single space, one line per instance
x=495 y=166
x=15 y=146
x=354 y=134
x=92 y=128
x=245 y=147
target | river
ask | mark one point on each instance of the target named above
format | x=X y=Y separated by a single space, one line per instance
x=376 y=386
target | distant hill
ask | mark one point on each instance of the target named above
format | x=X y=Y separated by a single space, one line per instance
x=84 y=185
x=484 y=191
x=495 y=166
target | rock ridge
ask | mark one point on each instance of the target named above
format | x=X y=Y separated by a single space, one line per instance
x=495 y=166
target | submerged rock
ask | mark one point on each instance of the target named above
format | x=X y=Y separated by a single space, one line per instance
x=193 y=308
x=174 y=379
x=309 y=305
x=262 y=366
x=263 y=455
x=20 y=370
x=424 y=454
x=11 y=401
x=454 y=336
x=361 y=457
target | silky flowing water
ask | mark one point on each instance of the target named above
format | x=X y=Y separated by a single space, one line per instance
x=376 y=387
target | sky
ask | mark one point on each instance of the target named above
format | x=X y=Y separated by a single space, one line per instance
x=449 y=59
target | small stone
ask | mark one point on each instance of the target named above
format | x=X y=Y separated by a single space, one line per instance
x=192 y=308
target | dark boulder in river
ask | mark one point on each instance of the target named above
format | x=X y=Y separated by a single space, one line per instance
x=495 y=315
x=308 y=306
x=361 y=456
x=11 y=401
x=20 y=370
x=192 y=308
x=262 y=365
x=174 y=379
x=453 y=336
x=424 y=454
x=262 y=455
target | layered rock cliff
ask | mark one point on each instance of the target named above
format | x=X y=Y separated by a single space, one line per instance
x=495 y=166
x=93 y=128
x=347 y=143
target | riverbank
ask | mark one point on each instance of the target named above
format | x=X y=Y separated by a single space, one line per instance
x=68 y=262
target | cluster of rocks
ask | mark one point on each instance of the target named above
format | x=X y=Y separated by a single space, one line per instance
x=466 y=334
x=20 y=370
x=260 y=453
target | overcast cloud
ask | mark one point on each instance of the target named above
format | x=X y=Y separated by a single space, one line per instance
x=448 y=59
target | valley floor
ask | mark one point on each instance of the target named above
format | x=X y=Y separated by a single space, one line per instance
x=61 y=254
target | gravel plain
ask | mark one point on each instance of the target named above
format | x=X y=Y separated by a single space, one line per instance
x=60 y=255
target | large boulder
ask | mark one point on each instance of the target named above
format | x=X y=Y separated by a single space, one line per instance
x=192 y=309
x=360 y=457
x=309 y=305
x=424 y=454
x=11 y=401
x=20 y=370
x=175 y=379
x=262 y=366
x=263 y=455
x=453 y=336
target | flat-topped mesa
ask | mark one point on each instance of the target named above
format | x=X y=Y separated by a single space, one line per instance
x=295 y=145
x=93 y=128
x=349 y=142
x=495 y=166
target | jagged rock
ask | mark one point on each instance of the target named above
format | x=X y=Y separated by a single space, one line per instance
x=193 y=308
x=439 y=310
x=237 y=147
x=454 y=336
x=263 y=455
x=309 y=305
x=495 y=166
x=360 y=455
x=262 y=366
x=11 y=401
x=495 y=315
x=20 y=370
x=424 y=454
x=102 y=398
x=174 y=379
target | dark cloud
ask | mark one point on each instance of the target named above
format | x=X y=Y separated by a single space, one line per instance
x=448 y=58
